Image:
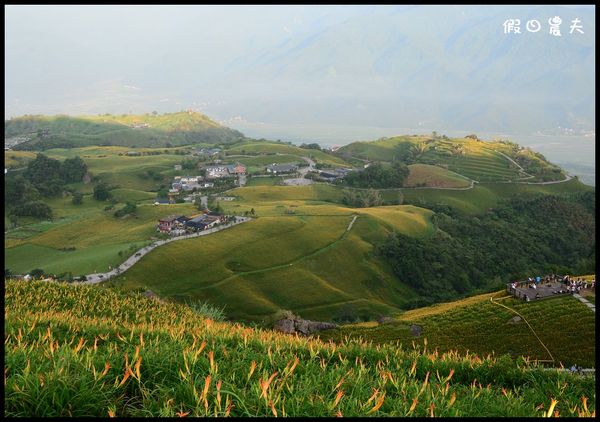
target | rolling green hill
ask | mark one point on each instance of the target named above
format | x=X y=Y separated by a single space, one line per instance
x=75 y=351
x=305 y=260
x=426 y=175
x=148 y=130
x=267 y=148
x=484 y=161
x=297 y=254
x=483 y=326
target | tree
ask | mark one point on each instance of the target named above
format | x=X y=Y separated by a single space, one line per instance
x=19 y=190
x=310 y=146
x=102 y=192
x=73 y=169
x=129 y=208
x=77 y=198
x=36 y=209
x=36 y=273
x=42 y=169
x=252 y=211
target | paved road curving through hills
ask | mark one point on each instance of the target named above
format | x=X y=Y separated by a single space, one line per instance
x=99 y=277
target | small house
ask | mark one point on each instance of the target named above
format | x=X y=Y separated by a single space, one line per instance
x=236 y=169
x=281 y=168
x=166 y=224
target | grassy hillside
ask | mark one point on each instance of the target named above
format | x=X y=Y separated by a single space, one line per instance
x=96 y=235
x=61 y=131
x=484 y=326
x=306 y=262
x=433 y=176
x=265 y=147
x=482 y=197
x=473 y=158
x=87 y=351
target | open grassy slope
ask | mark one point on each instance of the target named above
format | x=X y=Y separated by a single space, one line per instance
x=306 y=262
x=483 y=195
x=87 y=351
x=566 y=329
x=96 y=235
x=476 y=159
x=434 y=176
x=266 y=147
x=180 y=128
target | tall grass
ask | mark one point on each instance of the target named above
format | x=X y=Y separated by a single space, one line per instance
x=88 y=351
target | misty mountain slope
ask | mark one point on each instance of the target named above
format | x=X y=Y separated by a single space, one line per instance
x=438 y=67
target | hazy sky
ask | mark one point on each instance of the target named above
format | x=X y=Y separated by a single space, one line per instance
x=444 y=68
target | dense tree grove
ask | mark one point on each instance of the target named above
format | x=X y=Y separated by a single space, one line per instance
x=523 y=237
x=44 y=177
x=379 y=176
x=310 y=146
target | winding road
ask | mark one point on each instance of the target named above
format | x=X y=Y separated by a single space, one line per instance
x=99 y=277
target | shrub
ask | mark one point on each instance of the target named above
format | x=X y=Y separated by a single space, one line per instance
x=207 y=310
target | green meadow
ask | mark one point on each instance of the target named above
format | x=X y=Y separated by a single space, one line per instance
x=96 y=235
x=286 y=261
x=281 y=148
x=434 y=176
x=169 y=129
x=561 y=330
x=295 y=254
x=478 y=160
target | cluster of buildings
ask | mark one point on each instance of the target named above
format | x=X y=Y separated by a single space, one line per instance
x=224 y=170
x=331 y=175
x=176 y=225
x=207 y=152
x=282 y=168
x=188 y=184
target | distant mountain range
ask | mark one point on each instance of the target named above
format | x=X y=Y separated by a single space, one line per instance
x=444 y=68
x=441 y=68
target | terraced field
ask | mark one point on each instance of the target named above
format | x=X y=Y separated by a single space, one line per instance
x=483 y=195
x=434 y=176
x=474 y=159
x=478 y=324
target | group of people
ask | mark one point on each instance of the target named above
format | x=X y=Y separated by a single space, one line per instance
x=575 y=286
x=567 y=285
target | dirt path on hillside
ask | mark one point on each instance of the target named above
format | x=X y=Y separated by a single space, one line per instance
x=285 y=265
